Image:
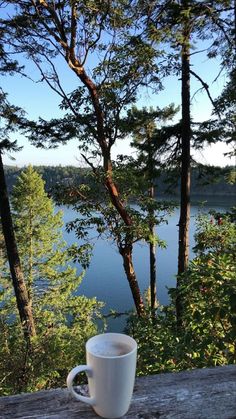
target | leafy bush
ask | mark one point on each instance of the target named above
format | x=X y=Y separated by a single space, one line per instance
x=208 y=293
x=58 y=346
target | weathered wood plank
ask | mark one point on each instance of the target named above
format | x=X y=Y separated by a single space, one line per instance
x=198 y=394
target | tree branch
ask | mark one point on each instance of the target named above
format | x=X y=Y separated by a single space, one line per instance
x=90 y=164
x=205 y=86
x=55 y=18
x=60 y=91
x=62 y=42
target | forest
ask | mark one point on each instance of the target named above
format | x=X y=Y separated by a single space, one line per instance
x=99 y=58
x=205 y=181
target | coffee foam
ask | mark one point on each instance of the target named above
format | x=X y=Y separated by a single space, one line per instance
x=110 y=349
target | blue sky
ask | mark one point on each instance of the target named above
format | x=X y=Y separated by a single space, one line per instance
x=37 y=99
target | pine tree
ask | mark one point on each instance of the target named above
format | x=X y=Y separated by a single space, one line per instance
x=23 y=304
x=38 y=231
x=63 y=319
x=142 y=124
x=11 y=118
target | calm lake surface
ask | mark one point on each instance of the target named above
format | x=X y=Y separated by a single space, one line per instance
x=105 y=277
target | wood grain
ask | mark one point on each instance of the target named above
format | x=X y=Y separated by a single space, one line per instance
x=205 y=393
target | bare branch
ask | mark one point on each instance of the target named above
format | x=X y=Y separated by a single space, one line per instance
x=205 y=86
x=49 y=40
x=218 y=75
x=60 y=91
x=44 y=78
x=198 y=52
x=90 y=164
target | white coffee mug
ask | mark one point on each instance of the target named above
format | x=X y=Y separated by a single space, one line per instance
x=111 y=365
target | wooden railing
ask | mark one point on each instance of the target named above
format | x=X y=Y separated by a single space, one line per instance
x=204 y=393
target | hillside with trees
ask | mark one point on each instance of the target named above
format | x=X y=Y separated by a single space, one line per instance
x=206 y=181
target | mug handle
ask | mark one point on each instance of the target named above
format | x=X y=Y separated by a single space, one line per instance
x=70 y=378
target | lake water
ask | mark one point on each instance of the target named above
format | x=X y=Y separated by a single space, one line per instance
x=105 y=277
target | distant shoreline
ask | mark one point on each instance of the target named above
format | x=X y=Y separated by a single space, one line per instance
x=204 y=185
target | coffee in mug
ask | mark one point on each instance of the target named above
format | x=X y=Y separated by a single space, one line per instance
x=111 y=365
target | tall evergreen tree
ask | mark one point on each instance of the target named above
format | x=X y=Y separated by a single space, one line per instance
x=180 y=25
x=184 y=220
x=45 y=258
x=24 y=307
x=64 y=320
x=37 y=230
x=142 y=124
x=11 y=117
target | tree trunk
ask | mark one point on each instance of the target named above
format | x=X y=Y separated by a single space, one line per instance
x=22 y=298
x=108 y=182
x=126 y=253
x=101 y=137
x=183 y=256
x=152 y=247
x=152 y=255
x=73 y=61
